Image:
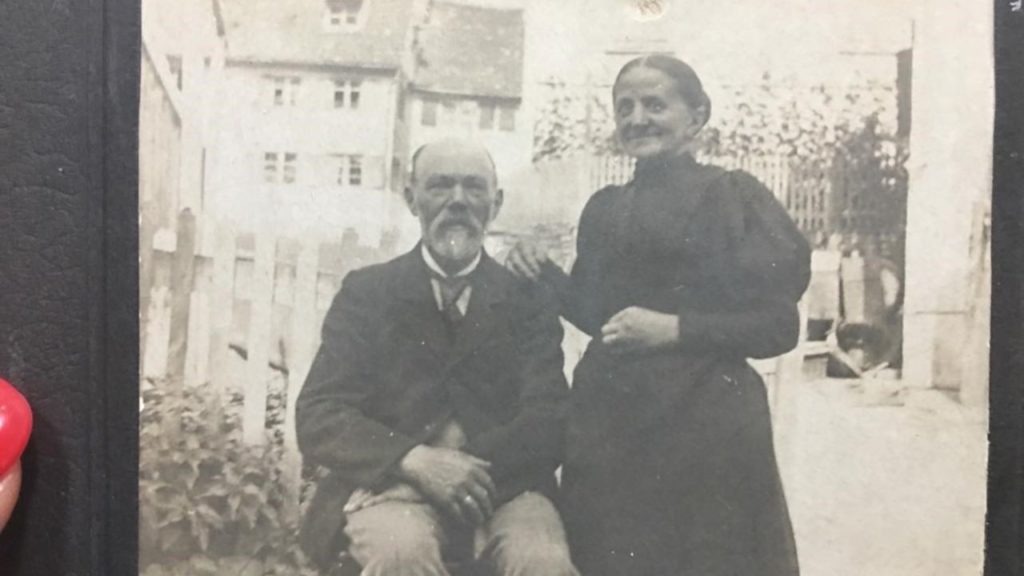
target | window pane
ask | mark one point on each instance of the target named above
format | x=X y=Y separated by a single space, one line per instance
x=340 y=88
x=340 y=176
x=355 y=170
x=429 y=113
x=289 y=168
x=447 y=110
x=174 y=62
x=508 y=119
x=344 y=12
x=486 y=116
x=354 y=97
x=270 y=167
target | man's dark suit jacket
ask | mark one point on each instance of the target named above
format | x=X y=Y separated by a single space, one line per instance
x=388 y=376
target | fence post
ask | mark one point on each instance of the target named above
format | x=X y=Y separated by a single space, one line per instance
x=223 y=295
x=784 y=168
x=197 y=356
x=304 y=316
x=254 y=416
x=155 y=329
x=183 y=270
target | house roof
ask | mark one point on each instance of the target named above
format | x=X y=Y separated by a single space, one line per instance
x=272 y=31
x=471 y=50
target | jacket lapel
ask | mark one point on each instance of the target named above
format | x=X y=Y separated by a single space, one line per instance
x=490 y=290
x=418 y=317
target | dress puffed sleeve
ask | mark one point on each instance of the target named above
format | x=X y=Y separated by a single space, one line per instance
x=758 y=280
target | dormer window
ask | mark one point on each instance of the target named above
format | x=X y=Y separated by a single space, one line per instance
x=347 y=93
x=345 y=14
x=495 y=116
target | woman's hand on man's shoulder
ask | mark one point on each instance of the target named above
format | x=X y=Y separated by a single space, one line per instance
x=527 y=259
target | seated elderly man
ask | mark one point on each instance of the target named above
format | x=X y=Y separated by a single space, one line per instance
x=436 y=400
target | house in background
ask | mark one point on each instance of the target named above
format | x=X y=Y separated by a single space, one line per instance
x=311 y=136
x=323 y=101
x=177 y=80
x=468 y=81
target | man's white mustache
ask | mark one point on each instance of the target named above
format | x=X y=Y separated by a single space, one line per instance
x=472 y=225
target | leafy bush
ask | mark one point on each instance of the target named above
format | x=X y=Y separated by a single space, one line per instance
x=573 y=120
x=768 y=118
x=787 y=118
x=209 y=504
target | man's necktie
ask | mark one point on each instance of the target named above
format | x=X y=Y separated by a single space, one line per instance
x=452 y=289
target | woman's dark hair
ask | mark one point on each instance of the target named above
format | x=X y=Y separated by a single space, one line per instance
x=687 y=82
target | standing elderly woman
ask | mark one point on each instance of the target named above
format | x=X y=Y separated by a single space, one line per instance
x=681 y=275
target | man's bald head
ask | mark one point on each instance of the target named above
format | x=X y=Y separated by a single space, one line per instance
x=452 y=146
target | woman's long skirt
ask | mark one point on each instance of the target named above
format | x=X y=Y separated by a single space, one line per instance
x=671 y=471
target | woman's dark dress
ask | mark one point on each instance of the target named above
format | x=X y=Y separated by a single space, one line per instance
x=670 y=466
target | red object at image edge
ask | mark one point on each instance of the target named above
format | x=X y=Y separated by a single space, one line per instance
x=15 y=425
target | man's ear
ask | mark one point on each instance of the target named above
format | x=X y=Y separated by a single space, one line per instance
x=499 y=200
x=408 y=194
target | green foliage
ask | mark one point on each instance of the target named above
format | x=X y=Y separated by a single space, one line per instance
x=209 y=504
x=776 y=118
x=770 y=118
x=572 y=120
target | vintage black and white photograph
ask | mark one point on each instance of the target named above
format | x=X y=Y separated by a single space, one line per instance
x=576 y=288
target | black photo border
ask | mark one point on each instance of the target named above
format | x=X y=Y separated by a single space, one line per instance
x=1004 y=536
x=69 y=87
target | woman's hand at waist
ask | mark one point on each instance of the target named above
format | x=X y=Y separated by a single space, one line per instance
x=637 y=329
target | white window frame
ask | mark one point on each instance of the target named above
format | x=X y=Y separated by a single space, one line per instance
x=488 y=112
x=351 y=170
x=337 y=16
x=280 y=167
x=429 y=107
x=506 y=118
x=285 y=89
x=289 y=172
x=271 y=170
x=350 y=90
x=355 y=170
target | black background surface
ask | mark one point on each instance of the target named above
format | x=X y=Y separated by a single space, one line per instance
x=68 y=291
x=68 y=269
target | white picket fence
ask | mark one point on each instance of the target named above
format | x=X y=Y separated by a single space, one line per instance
x=772 y=171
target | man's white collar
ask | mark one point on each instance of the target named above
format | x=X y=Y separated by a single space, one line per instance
x=433 y=265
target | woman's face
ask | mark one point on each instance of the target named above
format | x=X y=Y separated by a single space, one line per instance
x=651 y=118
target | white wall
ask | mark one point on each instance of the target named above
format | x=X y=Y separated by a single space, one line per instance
x=950 y=182
x=186 y=31
x=511 y=149
x=315 y=205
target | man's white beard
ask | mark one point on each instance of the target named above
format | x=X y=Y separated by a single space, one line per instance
x=457 y=244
